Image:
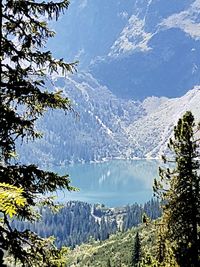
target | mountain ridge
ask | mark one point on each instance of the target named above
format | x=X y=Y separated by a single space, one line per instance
x=126 y=128
x=160 y=123
x=137 y=57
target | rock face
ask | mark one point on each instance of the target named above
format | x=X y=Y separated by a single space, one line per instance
x=105 y=126
x=156 y=52
x=138 y=48
x=152 y=131
x=137 y=60
x=96 y=131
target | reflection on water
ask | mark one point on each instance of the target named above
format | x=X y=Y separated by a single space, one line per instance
x=113 y=183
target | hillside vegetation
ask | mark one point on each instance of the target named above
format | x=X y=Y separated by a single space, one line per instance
x=78 y=222
x=115 y=251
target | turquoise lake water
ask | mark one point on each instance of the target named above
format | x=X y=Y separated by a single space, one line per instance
x=113 y=183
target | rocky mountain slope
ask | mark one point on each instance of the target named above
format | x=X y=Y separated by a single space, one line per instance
x=107 y=126
x=96 y=130
x=136 y=58
x=151 y=133
x=156 y=53
x=136 y=48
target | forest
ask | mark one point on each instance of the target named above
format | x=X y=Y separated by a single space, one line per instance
x=26 y=190
x=78 y=222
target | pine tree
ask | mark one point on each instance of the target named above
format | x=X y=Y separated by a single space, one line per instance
x=136 y=257
x=161 y=246
x=179 y=191
x=25 y=66
x=108 y=263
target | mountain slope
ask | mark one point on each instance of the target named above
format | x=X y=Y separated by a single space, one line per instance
x=129 y=51
x=136 y=48
x=156 y=52
x=117 y=250
x=106 y=127
x=152 y=131
x=78 y=222
x=98 y=131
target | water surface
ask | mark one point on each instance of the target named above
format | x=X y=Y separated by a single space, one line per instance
x=113 y=183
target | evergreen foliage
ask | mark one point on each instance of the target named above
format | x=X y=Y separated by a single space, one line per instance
x=24 y=97
x=137 y=253
x=78 y=222
x=161 y=246
x=179 y=189
x=117 y=250
x=149 y=261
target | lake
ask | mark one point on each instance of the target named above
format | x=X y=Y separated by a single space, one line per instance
x=113 y=183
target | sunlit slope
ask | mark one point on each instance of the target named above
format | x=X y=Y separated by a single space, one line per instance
x=105 y=126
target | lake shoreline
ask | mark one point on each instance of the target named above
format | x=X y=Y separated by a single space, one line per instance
x=103 y=160
x=114 y=182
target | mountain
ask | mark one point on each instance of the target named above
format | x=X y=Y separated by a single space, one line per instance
x=138 y=59
x=156 y=53
x=136 y=48
x=89 y=28
x=105 y=126
x=96 y=130
x=151 y=132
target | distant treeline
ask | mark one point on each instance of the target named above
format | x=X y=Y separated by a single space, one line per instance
x=78 y=222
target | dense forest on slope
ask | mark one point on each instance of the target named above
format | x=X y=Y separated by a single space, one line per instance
x=116 y=251
x=78 y=222
x=126 y=128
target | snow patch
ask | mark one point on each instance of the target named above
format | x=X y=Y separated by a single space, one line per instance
x=185 y=20
x=133 y=37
